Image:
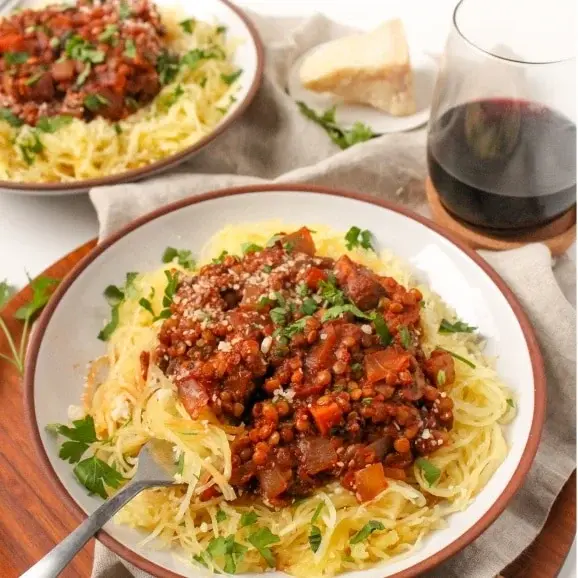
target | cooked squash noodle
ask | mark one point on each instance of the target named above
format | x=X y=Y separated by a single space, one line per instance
x=128 y=410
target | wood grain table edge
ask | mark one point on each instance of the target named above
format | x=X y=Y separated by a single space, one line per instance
x=34 y=520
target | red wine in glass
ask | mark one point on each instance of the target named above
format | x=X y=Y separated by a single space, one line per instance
x=503 y=164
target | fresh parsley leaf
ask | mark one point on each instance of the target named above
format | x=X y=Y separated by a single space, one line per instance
x=124 y=11
x=188 y=25
x=77 y=48
x=221 y=29
x=317 y=512
x=330 y=293
x=510 y=402
x=405 y=336
x=357 y=369
x=11 y=58
x=302 y=289
x=315 y=538
x=82 y=430
x=248 y=519
x=430 y=472
x=117 y=128
x=199 y=558
x=42 y=288
x=180 y=464
x=288 y=246
x=367 y=400
x=219 y=260
x=167 y=67
x=131 y=103
x=147 y=305
x=459 y=357
x=343 y=138
x=114 y=297
x=184 y=257
x=250 y=248
x=221 y=516
x=227 y=548
x=457 y=327
x=94 y=102
x=171 y=288
x=231 y=78
x=31 y=147
x=290 y=330
x=167 y=100
x=366 y=531
x=355 y=237
x=32 y=80
x=8 y=116
x=262 y=539
x=194 y=57
x=382 y=330
x=72 y=452
x=267 y=268
x=309 y=306
x=6 y=291
x=338 y=310
x=278 y=316
x=441 y=377
x=94 y=474
x=109 y=35
x=51 y=124
x=129 y=48
x=271 y=242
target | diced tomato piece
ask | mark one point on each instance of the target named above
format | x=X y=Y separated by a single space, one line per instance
x=440 y=361
x=272 y=481
x=301 y=241
x=326 y=416
x=11 y=42
x=370 y=482
x=314 y=276
x=380 y=363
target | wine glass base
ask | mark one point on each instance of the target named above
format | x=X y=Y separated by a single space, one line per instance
x=558 y=235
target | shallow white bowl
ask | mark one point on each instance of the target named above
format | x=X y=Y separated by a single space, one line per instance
x=65 y=339
x=249 y=56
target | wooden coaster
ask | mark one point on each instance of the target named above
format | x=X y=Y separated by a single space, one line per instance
x=557 y=235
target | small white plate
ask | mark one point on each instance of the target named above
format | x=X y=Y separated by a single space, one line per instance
x=425 y=70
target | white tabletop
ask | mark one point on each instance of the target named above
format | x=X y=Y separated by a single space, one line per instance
x=36 y=231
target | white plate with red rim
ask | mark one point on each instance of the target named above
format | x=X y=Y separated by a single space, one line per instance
x=64 y=342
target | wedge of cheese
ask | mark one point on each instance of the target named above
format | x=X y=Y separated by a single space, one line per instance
x=371 y=68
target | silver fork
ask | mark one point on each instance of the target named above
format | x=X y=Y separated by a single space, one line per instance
x=155 y=468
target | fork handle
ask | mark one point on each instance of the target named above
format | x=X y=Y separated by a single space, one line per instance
x=60 y=556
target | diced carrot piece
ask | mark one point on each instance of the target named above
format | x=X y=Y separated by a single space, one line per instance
x=380 y=363
x=326 y=416
x=370 y=482
x=314 y=276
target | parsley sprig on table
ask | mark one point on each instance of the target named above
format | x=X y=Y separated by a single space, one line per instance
x=42 y=287
x=342 y=137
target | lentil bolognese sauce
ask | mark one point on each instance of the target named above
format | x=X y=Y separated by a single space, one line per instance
x=319 y=359
x=325 y=411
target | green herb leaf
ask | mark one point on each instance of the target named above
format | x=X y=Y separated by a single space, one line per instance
x=42 y=288
x=343 y=138
x=405 y=336
x=124 y=11
x=290 y=330
x=31 y=147
x=367 y=400
x=129 y=48
x=302 y=289
x=221 y=29
x=8 y=116
x=114 y=297
x=459 y=357
x=382 y=330
x=248 y=519
x=330 y=293
x=278 y=315
x=193 y=58
x=250 y=248
x=262 y=539
x=267 y=268
x=317 y=512
x=109 y=35
x=338 y=310
x=227 y=548
x=430 y=472
x=72 y=452
x=230 y=78
x=357 y=369
x=51 y=124
x=77 y=48
x=219 y=260
x=34 y=78
x=94 y=102
x=180 y=464
x=12 y=58
x=355 y=237
x=457 y=327
x=188 y=25
x=184 y=257
x=315 y=538
x=441 y=377
x=366 y=531
x=221 y=516
x=147 y=305
x=82 y=430
x=167 y=67
x=271 y=242
x=6 y=291
x=309 y=306
x=510 y=402
x=94 y=474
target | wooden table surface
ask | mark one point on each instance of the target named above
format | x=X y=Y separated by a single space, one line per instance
x=33 y=519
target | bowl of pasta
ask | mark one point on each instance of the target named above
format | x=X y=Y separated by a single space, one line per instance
x=98 y=93
x=343 y=397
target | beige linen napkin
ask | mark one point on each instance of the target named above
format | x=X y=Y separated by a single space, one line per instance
x=273 y=141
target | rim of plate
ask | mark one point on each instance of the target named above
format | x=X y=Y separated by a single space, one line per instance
x=173 y=160
x=432 y=561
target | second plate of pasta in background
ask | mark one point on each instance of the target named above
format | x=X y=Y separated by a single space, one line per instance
x=118 y=91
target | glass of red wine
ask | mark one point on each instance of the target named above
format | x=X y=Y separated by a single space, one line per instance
x=502 y=133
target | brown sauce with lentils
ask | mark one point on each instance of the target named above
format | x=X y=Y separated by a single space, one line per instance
x=95 y=58
x=320 y=360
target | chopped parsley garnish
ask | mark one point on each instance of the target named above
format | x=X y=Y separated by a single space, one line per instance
x=405 y=336
x=34 y=78
x=441 y=377
x=180 y=464
x=31 y=147
x=77 y=48
x=278 y=315
x=167 y=67
x=248 y=519
x=366 y=531
x=290 y=330
x=309 y=306
x=232 y=552
x=302 y=289
x=267 y=268
x=262 y=539
x=12 y=58
x=168 y=100
x=288 y=246
x=510 y=402
x=330 y=293
x=221 y=516
x=170 y=290
x=147 y=305
x=114 y=297
x=459 y=357
x=357 y=370
x=382 y=330
x=130 y=48
x=7 y=115
x=221 y=29
x=124 y=11
x=42 y=288
x=184 y=257
x=188 y=25
x=367 y=400
x=109 y=35
x=338 y=310
x=51 y=124
x=117 y=128
x=231 y=78
x=194 y=57
x=457 y=327
x=317 y=512
x=343 y=138
x=315 y=538
x=430 y=472
x=355 y=237
x=94 y=474
x=131 y=102
x=80 y=436
x=94 y=102
x=250 y=248
x=271 y=242
x=219 y=260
